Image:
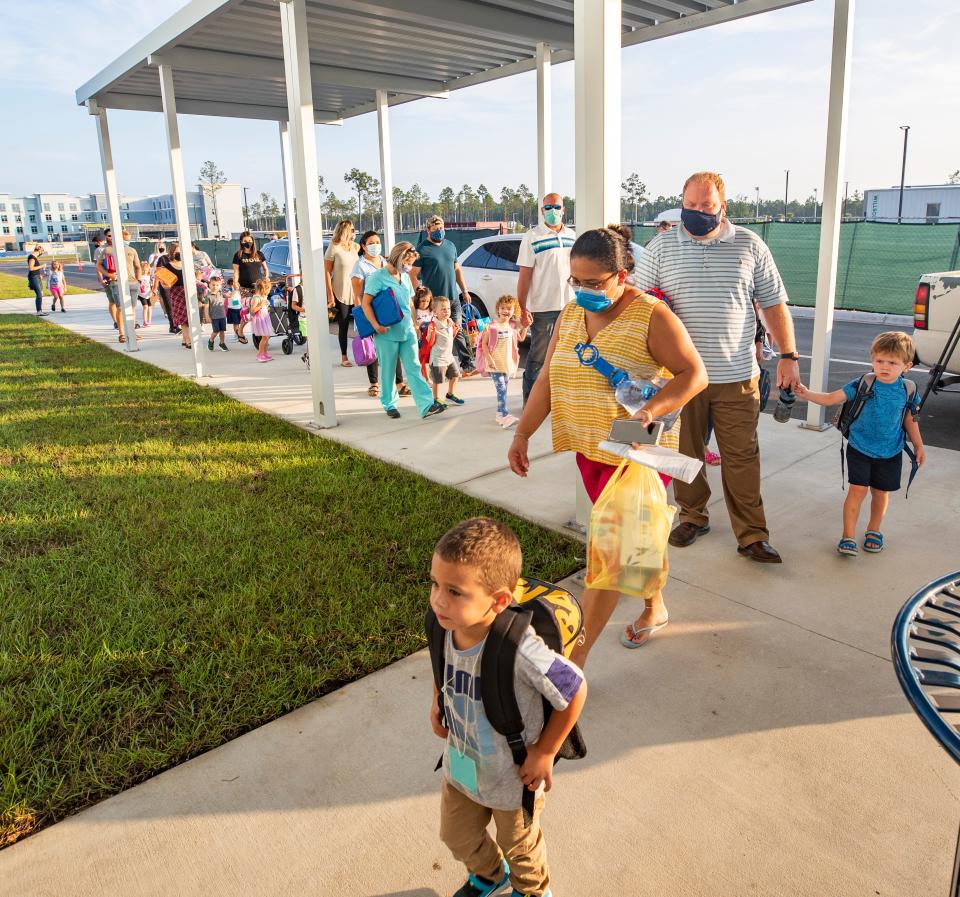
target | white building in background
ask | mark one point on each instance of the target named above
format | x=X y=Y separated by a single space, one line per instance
x=63 y=217
x=927 y=203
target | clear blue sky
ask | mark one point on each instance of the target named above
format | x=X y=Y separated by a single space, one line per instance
x=747 y=99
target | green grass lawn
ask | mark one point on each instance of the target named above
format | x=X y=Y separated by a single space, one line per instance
x=177 y=568
x=14 y=286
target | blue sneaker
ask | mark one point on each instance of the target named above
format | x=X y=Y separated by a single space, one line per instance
x=454 y=398
x=480 y=887
x=547 y=893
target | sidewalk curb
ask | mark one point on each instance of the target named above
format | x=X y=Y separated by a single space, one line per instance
x=855 y=317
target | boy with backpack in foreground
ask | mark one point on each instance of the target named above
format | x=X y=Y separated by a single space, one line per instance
x=475 y=569
x=878 y=409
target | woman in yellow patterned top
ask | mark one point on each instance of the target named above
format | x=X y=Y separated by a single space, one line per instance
x=633 y=331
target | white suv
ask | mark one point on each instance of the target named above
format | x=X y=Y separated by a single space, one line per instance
x=490 y=268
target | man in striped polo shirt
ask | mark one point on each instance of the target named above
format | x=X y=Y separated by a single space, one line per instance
x=542 y=287
x=712 y=271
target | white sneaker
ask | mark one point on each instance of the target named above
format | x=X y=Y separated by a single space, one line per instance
x=507 y=421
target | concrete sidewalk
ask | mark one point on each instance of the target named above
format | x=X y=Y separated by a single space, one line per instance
x=758 y=745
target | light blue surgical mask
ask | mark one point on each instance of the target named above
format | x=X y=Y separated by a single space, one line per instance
x=593 y=300
x=372 y=249
x=437 y=235
x=553 y=217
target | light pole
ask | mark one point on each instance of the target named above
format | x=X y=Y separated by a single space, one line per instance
x=786 y=193
x=843 y=211
x=814 y=204
x=757 y=213
x=246 y=208
x=903 y=170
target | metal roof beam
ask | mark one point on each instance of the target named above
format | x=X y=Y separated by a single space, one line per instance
x=473 y=17
x=741 y=10
x=174 y=29
x=140 y=103
x=216 y=62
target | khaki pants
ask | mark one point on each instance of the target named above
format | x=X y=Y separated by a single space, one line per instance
x=734 y=409
x=463 y=828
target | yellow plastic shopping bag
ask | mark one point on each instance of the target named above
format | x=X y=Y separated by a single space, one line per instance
x=629 y=528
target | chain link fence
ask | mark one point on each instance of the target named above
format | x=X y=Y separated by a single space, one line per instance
x=879 y=264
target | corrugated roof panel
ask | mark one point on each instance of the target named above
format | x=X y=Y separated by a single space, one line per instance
x=447 y=43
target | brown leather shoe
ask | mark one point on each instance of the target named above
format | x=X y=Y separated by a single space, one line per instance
x=761 y=552
x=686 y=534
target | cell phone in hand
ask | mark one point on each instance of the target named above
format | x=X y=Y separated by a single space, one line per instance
x=629 y=431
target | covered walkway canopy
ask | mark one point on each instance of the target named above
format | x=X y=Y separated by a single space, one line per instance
x=303 y=62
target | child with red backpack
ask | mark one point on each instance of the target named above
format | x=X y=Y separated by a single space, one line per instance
x=436 y=350
x=498 y=353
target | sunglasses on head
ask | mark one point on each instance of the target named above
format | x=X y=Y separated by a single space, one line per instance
x=547 y=208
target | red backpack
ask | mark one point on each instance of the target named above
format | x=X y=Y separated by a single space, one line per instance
x=428 y=336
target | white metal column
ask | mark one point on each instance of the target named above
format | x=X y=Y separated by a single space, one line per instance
x=303 y=142
x=181 y=211
x=597 y=127
x=597 y=92
x=386 y=171
x=116 y=224
x=840 y=64
x=544 y=126
x=286 y=160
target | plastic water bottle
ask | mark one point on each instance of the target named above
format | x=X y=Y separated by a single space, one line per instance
x=634 y=395
x=784 y=406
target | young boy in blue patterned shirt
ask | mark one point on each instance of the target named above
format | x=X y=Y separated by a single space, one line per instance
x=875 y=447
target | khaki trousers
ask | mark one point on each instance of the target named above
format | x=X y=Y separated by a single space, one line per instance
x=734 y=409
x=463 y=828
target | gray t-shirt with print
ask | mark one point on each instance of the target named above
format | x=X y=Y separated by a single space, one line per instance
x=539 y=673
x=441 y=352
x=216 y=301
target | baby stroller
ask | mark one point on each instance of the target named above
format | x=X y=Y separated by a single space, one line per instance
x=283 y=321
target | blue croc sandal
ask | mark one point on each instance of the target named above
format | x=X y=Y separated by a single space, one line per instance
x=848 y=547
x=873 y=541
x=476 y=886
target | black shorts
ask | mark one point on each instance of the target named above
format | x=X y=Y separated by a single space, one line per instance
x=233 y=315
x=877 y=473
x=219 y=324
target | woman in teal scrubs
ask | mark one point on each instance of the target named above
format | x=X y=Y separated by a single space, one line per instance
x=400 y=339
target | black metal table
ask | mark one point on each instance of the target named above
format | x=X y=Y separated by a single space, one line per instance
x=925 y=645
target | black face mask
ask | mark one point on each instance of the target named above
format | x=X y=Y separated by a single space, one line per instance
x=700 y=223
x=247 y=245
x=176 y=256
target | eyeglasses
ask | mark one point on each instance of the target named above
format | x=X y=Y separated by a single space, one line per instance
x=589 y=284
x=547 y=208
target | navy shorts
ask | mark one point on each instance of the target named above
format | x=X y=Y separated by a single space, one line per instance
x=219 y=324
x=877 y=473
x=233 y=315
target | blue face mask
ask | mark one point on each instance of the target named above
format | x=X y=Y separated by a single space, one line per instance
x=699 y=223
x=437 y=236
x=373 y=249
x=593 y=300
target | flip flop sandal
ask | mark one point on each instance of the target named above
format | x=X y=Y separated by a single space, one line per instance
x=873 y=541
x=346 y=364
x=848 y=547
x=628 y=641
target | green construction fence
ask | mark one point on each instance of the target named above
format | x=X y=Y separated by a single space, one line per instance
x=879 y=264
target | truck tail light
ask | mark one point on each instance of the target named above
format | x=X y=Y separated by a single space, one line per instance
x=920 y=306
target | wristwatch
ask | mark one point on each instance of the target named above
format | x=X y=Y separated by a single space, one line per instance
x=789 y=356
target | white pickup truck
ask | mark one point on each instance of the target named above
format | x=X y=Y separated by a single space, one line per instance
x=936 y=328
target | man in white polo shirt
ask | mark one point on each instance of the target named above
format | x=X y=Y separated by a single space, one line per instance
x=542 y=287
x=712 y=271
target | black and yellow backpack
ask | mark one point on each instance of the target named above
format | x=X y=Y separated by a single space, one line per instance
x=556 y=616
